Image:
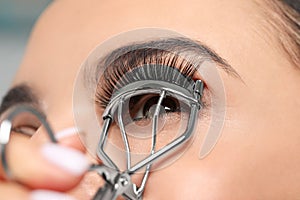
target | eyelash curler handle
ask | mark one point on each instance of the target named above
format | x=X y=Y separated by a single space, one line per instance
x=117 y=184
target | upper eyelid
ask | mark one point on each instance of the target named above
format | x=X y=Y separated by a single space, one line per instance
x=128 y=57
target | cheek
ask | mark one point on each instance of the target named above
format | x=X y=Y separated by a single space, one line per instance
x=188 y=178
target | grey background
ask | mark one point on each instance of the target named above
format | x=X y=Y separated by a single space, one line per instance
x=17 y=18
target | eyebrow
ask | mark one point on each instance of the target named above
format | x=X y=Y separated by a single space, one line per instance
x=20 y=94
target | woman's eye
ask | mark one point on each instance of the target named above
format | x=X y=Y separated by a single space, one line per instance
x=143 y=107
x=26 y=124
x=27 y=130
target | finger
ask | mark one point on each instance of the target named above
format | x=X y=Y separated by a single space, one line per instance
x=48 y=166
x=14 y=191
x=70 y=137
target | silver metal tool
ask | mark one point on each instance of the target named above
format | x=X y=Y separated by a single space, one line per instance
x=119 y=183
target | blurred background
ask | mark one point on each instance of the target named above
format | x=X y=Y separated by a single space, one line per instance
x=17 y=18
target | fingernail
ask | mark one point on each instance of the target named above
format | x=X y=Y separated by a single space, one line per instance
x=49 y=195
x=66 y=158
x=67 y=132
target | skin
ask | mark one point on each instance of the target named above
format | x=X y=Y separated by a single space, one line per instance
x=257 y=156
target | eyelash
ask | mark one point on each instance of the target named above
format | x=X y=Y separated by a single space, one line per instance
x=113 y=76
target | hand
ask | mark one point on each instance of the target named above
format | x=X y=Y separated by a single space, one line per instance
x=41 y=170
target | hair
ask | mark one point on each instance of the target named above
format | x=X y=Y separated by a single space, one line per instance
x=284 y=18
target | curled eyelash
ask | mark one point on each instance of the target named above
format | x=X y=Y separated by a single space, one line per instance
x=145 y=62
x=153 y=66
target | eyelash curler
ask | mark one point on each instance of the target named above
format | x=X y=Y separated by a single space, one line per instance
x=118 y=182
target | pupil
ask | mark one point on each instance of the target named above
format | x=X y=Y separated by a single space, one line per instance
x=170 y=104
